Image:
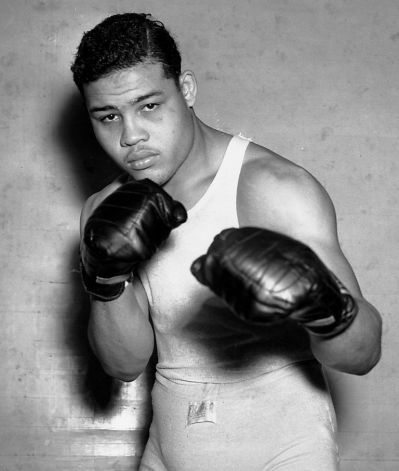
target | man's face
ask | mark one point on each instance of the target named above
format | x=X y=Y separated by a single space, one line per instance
x=142 y=120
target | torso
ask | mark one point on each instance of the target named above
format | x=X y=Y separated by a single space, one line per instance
x=198 y=338
x=275 y=173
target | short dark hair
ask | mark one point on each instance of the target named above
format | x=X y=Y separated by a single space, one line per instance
x=121 y=41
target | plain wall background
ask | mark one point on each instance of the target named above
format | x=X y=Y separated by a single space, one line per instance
x=314 y=80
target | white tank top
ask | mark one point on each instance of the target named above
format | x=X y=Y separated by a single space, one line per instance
x=198 y=338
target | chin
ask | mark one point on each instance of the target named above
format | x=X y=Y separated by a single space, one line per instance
x=153 y=175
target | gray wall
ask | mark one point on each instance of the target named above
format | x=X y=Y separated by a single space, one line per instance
x=314 y=80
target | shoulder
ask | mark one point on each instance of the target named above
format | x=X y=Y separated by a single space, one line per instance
x=278 y=194
x=95 y=199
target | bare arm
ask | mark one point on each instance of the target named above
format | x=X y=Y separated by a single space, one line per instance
x=358 y=349
x=279 y=196
x=119 y=331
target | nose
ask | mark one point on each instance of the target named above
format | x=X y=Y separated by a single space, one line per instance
x=132 y=133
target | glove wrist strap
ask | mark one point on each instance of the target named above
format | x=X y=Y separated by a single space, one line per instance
x=335 y=323
x=103 y=289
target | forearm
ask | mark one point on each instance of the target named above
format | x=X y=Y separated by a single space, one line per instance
x=121 y=335
x=356 y=350
x=119 y=230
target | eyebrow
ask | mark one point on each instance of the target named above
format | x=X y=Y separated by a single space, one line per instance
x=139 y=99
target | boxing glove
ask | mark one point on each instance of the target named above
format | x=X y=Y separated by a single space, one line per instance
x=266 y=277
x=125 y=229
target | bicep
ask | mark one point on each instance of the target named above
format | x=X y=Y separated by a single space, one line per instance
x=318 y=229
x=298 y=206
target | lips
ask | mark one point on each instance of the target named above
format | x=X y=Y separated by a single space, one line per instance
x=141 y=159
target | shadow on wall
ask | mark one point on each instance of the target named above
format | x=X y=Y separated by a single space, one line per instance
x=92 y=170
x=98 y=391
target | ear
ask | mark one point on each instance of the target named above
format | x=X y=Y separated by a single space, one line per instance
x=188 y=87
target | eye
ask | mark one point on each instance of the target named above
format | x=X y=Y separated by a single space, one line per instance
x=150 y=106
x=109 y=118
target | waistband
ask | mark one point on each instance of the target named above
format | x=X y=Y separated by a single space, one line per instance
x=309 y=373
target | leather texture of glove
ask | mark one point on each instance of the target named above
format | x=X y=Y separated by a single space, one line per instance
x=126 y=229
x=266 y=277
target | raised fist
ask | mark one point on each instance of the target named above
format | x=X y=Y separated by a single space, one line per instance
x=266 y=277
x=124 y=230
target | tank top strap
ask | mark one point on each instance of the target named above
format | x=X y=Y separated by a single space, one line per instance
x=222 y=191
x=230 y=168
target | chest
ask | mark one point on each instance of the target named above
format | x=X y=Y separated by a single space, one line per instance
x=174 y=294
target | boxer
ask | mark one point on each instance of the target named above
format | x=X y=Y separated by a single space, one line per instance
x=223 y=256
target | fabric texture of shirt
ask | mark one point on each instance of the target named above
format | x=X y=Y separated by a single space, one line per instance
x=198 y=338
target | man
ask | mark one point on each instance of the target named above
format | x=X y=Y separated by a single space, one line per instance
x=221 y=255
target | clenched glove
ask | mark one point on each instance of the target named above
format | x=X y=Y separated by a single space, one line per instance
x=266 y=277
x=124 y=230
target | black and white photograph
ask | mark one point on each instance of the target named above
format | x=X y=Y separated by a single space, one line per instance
x=199 y=235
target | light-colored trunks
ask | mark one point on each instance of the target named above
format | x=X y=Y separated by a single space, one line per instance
x=283 y=420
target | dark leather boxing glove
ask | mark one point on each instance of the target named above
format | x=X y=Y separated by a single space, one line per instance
x=266 y=277
x=124 y=230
